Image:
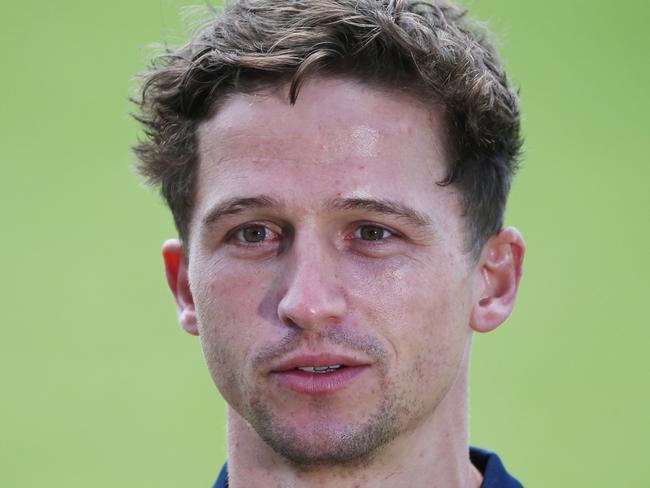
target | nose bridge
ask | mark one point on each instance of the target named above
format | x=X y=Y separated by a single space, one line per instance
x=313 y=295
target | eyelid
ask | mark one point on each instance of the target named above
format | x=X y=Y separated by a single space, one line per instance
x=357 y=231
x=275 y=230
x=391 y=232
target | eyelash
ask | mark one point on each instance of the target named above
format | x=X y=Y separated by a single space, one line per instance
x=386 y=233
x=237 y=236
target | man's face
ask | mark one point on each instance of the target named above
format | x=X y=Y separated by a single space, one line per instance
x=320 y=238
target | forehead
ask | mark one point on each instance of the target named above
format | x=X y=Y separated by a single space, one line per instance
x=340 y=114
x=341 y=136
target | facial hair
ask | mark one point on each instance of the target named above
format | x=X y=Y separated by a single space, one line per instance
x=330 y=443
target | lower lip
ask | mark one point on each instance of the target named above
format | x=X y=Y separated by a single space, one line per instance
x=318 y=383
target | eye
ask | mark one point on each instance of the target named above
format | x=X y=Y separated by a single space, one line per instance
x=254 y=234
x=372 y=233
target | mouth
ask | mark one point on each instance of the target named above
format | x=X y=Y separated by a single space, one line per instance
x=317 y=375
x=321 y=369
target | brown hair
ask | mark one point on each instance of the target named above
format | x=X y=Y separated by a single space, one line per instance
x=429 y=48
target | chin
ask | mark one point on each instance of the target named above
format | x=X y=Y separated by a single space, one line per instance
x=328 y=442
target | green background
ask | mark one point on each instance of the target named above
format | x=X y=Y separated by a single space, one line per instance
x=99 y=386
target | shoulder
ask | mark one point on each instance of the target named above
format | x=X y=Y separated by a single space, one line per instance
x=487 y=462
x=493 y=470
x=222 y=479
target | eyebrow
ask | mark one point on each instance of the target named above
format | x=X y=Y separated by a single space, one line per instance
x=234 y=206
x=386 y=207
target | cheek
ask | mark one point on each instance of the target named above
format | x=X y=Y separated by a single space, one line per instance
x=227 y=297
x=228 y=303
x=421 y=310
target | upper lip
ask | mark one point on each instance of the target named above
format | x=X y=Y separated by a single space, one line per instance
x=318 y=360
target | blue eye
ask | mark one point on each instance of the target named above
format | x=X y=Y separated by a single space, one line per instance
x=372 y=233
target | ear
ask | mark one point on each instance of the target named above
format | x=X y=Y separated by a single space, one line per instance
x=179 y=284
x=501 y=267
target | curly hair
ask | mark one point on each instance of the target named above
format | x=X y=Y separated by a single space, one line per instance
x=429 y=49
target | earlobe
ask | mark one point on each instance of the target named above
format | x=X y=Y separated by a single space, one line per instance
x=178 y=281
x=501 y=266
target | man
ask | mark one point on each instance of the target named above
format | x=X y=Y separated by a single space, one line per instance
x=338 y=172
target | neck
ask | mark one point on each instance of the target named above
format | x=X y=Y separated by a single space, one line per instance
x=435 y=454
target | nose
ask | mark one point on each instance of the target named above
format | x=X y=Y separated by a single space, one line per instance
x=314 y=296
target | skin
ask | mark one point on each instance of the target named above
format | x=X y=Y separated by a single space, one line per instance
x=333 y=272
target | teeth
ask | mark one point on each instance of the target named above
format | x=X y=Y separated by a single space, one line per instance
x=320 y=369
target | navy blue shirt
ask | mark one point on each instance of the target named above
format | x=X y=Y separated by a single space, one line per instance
x=488 y=463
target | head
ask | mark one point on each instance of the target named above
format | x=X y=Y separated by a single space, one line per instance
x=338 y=172
x=429 y=50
